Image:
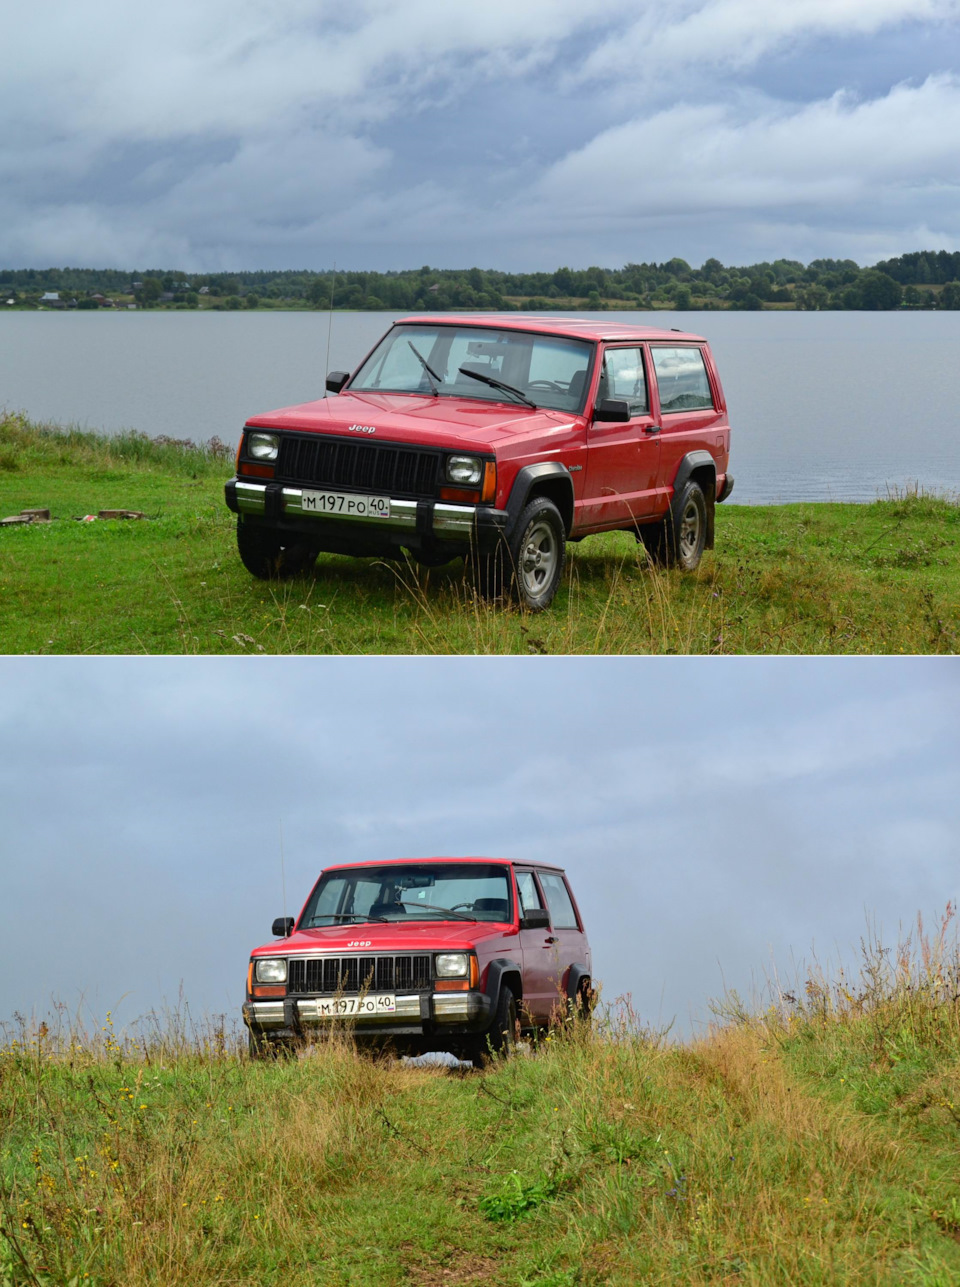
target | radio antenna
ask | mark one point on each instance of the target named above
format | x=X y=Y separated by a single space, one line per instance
x=283 y=873
x=333 y=285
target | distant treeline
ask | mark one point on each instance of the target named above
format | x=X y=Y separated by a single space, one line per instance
x=924 y=279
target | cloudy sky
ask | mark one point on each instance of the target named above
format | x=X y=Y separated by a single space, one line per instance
x=715 y=815
x=212 y=134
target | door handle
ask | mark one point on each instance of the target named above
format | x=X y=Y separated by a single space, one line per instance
x=653 y=429
x=550 y=939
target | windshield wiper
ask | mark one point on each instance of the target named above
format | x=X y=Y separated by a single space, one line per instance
x=446 y=911
x=347 y=916
x=492 y=381
x=431 y=374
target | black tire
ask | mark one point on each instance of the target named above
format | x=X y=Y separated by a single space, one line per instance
x=582 y=1005
x=432 y=558
x=271 y=556
x=500 y=1039
x=261 y=1047
x=679 y=540
x=530 y=566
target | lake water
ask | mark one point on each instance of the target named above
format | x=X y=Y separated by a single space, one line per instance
x=824 y=406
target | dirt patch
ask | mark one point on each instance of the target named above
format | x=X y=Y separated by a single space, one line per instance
x=459 y=1269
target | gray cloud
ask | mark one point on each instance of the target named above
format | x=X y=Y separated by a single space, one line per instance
x=218 y=134
x=710 y=813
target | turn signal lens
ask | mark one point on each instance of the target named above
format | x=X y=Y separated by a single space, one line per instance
x=489 y=492
x=255 y=471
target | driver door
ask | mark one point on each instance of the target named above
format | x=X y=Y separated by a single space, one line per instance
x=539 y=989
x=623 y=459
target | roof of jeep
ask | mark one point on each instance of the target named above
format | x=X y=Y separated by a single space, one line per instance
x=577 y=327
x=385 y=862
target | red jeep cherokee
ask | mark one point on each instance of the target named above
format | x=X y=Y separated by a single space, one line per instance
x=497 y=440
x=422 y=954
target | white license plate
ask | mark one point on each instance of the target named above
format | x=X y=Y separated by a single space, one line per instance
x=379 y=1003
x=345 y=503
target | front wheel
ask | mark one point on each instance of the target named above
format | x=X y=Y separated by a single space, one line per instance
x=501 y=1037
x=530 y=565
x=262 y=1047
x=269 y=555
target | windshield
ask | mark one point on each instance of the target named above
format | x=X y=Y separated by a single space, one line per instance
x=411 y=892
x=547 y=370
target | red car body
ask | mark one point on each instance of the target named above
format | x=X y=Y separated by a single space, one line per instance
x=602 y=465
x=533 y=954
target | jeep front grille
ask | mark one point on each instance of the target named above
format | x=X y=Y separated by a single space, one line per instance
x=332 y=974
x=377 y=467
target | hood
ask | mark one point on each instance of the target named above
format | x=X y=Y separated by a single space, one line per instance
x=421 y=936
x=415 y=418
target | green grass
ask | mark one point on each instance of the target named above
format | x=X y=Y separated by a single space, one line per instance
x=879 y=578
x=814 y=1143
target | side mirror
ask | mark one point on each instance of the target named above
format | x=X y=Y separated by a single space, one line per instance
x=336 y=380
x=282 y=927
x=613 y=409
x=535 y=918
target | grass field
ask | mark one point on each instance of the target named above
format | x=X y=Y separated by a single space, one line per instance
x=811 y=578
x=813 y=1143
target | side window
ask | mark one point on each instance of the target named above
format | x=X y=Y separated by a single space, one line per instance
x=681 y=379
x=558 y=900
x=529 y=894
x=623 y=377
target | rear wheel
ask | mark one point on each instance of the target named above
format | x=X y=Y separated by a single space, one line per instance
x=582 y=1005
x=679 y=539
x=271 y=555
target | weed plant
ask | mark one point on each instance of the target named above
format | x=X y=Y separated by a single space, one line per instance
x=879 y=578
x=811 y=1142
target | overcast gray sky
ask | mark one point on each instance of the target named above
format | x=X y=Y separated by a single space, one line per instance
x=713 y=814
x=515 y=133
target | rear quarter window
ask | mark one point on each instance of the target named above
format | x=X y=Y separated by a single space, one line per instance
x=554 y=888
x=682 y=379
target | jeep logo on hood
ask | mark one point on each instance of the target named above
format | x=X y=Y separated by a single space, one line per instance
x=361 y=428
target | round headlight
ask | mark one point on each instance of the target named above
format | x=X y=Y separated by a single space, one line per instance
x=465 y=470
x=453 y=965
x=263 y=446
x=272 y=970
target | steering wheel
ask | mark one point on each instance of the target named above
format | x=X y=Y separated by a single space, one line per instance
x=547 y=384
x=467 y=907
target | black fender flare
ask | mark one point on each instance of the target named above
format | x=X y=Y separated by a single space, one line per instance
x=525 y=481
x=691 y=462
x=499 y=971
x=575 y=977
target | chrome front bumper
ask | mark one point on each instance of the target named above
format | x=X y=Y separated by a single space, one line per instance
x=438 y=1007
x=446 y=522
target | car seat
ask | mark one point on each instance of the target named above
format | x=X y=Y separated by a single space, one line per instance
x=382 y=909
x=498 y=905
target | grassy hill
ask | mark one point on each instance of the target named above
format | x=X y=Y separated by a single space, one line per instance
x=879 y=578
x=814 y=1143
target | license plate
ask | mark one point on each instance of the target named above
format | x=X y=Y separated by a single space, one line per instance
x=337 y=1007
x=346 y=503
